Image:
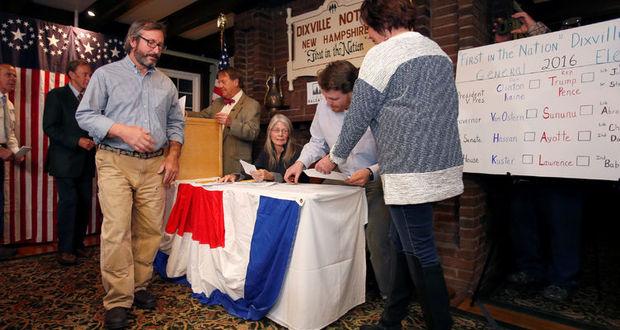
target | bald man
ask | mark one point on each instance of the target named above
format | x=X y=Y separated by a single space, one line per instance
x=8 y=142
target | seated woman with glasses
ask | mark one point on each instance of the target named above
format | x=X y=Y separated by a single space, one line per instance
x=279 y=152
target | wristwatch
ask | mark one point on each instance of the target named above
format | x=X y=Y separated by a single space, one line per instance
x=329 y=156
x=372 y=176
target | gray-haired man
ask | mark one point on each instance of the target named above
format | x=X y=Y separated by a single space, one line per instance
x=131 y=110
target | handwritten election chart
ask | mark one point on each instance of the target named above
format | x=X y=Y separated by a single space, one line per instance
x=546 y=105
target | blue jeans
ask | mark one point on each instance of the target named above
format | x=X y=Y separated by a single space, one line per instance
x=412 y=232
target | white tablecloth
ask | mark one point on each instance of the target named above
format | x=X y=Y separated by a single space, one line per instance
x=327 y=271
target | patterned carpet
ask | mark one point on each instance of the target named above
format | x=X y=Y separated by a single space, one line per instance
x=588 y=307
x=583 y=310
x=38 y=293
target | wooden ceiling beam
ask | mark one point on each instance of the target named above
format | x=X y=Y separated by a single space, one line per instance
x=196 y=14
x=202 y=12
x=107 y=11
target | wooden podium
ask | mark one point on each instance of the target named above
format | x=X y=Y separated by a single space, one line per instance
x=201 y=156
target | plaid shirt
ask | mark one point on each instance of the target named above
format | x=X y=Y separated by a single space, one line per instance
x=538 y=28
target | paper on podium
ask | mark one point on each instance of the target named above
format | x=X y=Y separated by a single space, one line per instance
x=247 y=167
x=22 y=152
x=332 y=176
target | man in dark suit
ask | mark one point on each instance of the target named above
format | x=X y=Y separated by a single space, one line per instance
x=239 y=116
x=71 y=160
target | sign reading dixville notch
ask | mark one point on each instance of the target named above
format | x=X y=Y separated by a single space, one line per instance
x=332 y=32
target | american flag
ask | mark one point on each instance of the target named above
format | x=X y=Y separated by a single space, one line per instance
x=40 y=51
x=222 y=64
x=224 y=59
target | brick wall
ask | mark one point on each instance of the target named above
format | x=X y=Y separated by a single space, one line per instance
x=261 y=45
x=459 y=222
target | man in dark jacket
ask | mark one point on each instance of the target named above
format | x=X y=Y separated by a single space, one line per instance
x=71 y=160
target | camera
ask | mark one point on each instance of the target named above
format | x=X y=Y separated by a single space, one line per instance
x=503 y=26
x=570 y=23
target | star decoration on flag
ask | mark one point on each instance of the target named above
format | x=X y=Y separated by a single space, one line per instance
x=88 y=47
x=224 y=59
x=53 y=40
x=18 y=34
x=113 y=50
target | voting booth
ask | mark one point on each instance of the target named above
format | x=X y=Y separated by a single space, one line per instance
x=201 y=156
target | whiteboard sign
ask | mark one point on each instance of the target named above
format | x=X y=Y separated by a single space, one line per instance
x=547 y=105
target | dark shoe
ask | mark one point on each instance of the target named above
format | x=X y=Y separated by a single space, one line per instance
x=144 y=300
x=556 y=293
x=66 y=259
x=116 y=318
x=6 y=252
x=523 y=278
x=381 y=326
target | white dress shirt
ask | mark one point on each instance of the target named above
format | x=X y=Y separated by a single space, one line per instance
x=325 y=129
x=8 y=137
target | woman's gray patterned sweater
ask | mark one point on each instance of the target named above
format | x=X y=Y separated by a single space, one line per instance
x=406 y=94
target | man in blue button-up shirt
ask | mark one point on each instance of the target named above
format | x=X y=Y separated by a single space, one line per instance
x=131 y=110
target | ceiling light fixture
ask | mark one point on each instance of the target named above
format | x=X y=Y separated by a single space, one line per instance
x=91 y=13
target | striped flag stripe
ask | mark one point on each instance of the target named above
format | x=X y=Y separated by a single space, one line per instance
x=32 y=181
x=45 y=201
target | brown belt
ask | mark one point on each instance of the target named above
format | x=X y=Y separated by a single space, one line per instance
x=141 y=155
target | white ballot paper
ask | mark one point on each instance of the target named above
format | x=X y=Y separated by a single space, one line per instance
x=22 y=151
x=182 y=104
x=247 y=167
x=332 y=176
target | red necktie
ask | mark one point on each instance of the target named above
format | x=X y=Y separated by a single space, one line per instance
x=228 y=101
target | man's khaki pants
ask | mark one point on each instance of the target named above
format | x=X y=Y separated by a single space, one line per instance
x=132 y=199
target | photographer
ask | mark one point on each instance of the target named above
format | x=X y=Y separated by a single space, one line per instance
x=519 y=25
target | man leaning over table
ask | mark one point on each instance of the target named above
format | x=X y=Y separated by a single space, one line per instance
x=131 y=110
x=8 y=142
x=336 y=82
x=239 y=115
